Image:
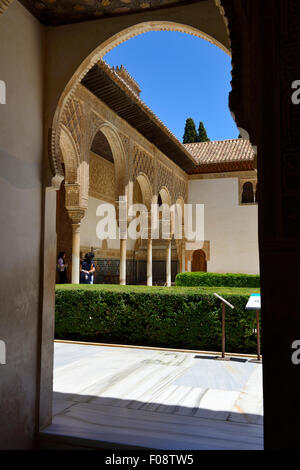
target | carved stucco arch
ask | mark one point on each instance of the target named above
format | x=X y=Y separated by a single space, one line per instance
x=146 y=189
x=98 y=54
x=73 y=175
x=69 y=156
x=114 y=139
x=165 y=195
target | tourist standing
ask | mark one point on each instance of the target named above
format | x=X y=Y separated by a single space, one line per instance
x=87 y=269
x=61 y=267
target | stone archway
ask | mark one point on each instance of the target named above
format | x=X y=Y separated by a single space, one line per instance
x=98 y=53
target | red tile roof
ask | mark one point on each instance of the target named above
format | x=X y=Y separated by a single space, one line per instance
x=223 y=155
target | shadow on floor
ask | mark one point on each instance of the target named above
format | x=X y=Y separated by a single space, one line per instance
x=85 y=421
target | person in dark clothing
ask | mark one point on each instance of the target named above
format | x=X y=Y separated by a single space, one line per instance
x=91 y=256
x=87 y=268
x=61 y=267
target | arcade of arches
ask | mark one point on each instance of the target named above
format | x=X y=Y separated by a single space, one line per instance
x=105 y=157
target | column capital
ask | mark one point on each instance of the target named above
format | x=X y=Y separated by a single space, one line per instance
x=76 y=214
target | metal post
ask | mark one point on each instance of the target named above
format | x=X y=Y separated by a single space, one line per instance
x=223 y=330
x=258 y=335
x=224 y=303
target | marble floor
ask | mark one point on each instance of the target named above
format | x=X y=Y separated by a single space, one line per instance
x=156 y=399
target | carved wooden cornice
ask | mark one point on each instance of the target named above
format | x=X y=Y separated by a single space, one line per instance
x=4 y=4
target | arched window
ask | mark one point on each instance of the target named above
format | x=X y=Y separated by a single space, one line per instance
x=248 y=193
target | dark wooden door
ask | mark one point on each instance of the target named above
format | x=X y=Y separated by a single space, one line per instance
x=199 y=261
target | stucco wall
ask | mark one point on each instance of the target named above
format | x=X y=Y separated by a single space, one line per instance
x=21 y=67
x=231 y=229
x=88 y=236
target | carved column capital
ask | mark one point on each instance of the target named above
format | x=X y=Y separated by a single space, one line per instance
x=76 y=214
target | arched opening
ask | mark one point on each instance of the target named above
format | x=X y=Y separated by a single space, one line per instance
x=248 y=193
x=141 y=197
x=163 y=250
x=96 y=180
x=102 y=196
x=199 y=263
x=68 y=198
x=100 y=51
x=63 y=231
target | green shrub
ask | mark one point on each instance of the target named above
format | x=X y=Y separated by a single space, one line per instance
x=215 y=279
x=166 y=317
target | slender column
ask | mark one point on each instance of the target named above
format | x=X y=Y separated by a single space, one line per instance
x=123 y=262
x=149 y=261
x=168 y=263
x=183 y=259
x=189 y=265
x=75 y=214
x=75 y=253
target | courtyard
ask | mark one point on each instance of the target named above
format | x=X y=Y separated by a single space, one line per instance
x=130 y=397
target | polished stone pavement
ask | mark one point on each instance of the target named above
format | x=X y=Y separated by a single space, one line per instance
x=156 y=399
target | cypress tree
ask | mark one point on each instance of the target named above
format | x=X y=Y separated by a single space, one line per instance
x=190 y=132
x=202 y=136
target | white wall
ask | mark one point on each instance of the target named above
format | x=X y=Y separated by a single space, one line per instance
x=21 y=156
x=88 y=235
x=232 y=229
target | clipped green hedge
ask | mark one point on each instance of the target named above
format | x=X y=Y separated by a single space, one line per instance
x=215 y=279
x=175 y=318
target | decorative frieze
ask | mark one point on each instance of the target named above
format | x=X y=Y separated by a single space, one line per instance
x=102 y=178
x=165 y=178
x=143 y=162
x=72 y=119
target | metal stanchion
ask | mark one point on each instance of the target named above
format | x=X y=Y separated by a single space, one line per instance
x=254 y=304
x=224 y=303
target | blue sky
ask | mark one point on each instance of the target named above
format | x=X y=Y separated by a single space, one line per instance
x=180 y=76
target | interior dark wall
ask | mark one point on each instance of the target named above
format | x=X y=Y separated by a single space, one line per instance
x=265 y=40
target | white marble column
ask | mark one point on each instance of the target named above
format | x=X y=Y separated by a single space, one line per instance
x=189 y=265
x=183 y=259
x=149 y=261
x=75 y=253
x=168 y=263
x=123 y=262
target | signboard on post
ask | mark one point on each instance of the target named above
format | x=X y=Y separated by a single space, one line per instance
x=254 y=304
